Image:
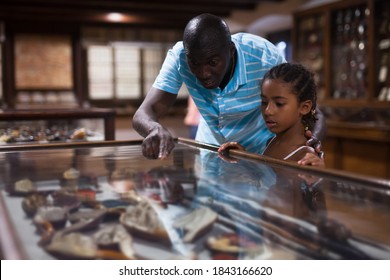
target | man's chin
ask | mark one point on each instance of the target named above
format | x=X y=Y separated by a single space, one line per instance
x=210 y=85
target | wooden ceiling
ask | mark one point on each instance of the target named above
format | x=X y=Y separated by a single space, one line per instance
x=153 y=13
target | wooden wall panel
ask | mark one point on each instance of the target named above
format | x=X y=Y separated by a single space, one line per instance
x=43 y=62
x=366 y=157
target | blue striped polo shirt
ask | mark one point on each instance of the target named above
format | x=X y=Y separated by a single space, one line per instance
x=234 y=113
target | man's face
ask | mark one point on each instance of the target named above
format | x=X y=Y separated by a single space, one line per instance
x=209 y=64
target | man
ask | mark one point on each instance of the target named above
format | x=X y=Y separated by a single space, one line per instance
x=223 y=75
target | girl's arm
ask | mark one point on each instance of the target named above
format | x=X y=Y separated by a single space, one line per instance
x=306 y=155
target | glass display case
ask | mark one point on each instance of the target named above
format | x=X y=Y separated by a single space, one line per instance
x=104 y=200
x=54 y=125
x=310 y=47
x=350 y=52
x=346 y=43
x=382 y=50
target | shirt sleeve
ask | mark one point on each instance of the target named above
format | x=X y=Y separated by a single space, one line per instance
x=169 y=79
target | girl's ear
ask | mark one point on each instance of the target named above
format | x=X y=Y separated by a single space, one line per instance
x=305 y=107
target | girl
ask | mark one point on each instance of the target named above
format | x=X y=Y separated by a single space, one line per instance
x=288 y=108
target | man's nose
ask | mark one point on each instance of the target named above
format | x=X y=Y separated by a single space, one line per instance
x=204 y=72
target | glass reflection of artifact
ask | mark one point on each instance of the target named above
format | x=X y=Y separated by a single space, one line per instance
x=234 y=191
x=288 y=209
x=165 y=184
x=122 y=180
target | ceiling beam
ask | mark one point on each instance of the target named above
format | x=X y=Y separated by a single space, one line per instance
x=158 y=13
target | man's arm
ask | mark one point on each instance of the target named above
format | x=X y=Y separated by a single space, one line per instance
x=319 y=132
x=158 y=142
x=156 y=104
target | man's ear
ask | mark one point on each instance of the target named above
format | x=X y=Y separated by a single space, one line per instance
x=232 y=48
x=305 y=107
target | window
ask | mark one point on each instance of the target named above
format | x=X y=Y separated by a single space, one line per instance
x=122 y=71
x=127 y=72
x=100 y=72
x=122 y=64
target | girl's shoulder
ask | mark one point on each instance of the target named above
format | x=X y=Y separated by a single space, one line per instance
x=299 y=153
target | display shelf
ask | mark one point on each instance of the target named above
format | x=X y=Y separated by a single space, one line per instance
x=52 y=125
x=346 y=43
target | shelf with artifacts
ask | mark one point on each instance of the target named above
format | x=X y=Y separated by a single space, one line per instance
x=56 y=125
x=347 y=45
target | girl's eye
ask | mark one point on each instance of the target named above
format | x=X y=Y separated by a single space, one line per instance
x=263 y=103
x=279 y=104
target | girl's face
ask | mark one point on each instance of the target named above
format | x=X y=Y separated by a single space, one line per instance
x=280 y=107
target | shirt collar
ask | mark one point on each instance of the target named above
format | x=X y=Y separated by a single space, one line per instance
x=239 y=76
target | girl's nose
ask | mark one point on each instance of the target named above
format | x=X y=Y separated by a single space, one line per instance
x=269 y=109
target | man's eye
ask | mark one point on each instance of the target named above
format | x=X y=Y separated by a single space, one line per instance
x=193 y=62
x=213 y=63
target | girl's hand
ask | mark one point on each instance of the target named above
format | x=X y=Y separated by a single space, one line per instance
x=312 y=159
x=223 y=151
x=230 y=145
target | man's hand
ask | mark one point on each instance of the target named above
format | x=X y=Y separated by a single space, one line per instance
x=158 y=144
x=315 y=143
x=318 y=134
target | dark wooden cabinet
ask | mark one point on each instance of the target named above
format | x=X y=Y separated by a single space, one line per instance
x=347 y=45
